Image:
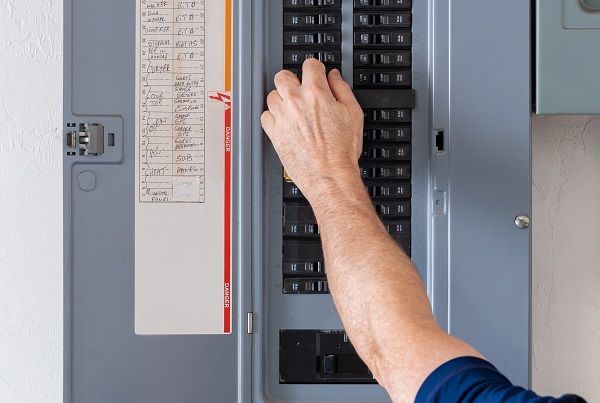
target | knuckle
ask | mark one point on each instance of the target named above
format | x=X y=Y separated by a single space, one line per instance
x=314 y=90
x=313 y=97
x=273 y=99
x=281 y=75
x=345 y=84
x=356 y=110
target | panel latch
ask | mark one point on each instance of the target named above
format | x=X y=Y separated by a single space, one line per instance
x=87 y=139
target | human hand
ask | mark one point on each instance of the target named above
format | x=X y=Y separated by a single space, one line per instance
x=315 y=126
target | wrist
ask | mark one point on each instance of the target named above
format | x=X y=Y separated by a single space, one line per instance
x=342 y=188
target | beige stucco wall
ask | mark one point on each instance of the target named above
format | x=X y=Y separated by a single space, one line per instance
x=566 y=255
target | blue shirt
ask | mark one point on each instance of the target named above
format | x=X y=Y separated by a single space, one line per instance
x=473 y=380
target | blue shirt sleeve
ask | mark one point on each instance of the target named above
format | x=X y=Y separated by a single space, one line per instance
x=473 y=380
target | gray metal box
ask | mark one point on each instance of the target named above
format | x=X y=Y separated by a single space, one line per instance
x=568 y=57
x=472 y=77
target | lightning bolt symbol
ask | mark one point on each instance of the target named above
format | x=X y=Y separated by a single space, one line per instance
x=221 y=97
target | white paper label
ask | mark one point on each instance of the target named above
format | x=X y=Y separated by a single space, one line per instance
x=183 y=167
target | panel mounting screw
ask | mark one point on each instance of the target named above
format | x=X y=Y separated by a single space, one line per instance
x=522 y=221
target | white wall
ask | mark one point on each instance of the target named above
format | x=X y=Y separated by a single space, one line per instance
x=566 y=255
x=30 y=201
x=566 y=222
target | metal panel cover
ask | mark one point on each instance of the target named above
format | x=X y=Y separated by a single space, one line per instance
x=105 y=361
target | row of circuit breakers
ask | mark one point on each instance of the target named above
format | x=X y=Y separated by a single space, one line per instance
x=382 y=82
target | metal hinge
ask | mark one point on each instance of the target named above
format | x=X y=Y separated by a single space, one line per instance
x=87 y=139
x=250 y=323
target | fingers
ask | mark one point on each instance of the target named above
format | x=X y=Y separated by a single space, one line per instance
x=267 y=121
x=313 y=74
x=274 y=101
x=286 y=82
x=341 y=90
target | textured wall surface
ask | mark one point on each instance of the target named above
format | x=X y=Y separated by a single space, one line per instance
x=566 y=224
x=30 y=201
x=566 y=255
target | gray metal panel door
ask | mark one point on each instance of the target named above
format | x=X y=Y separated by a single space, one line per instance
x=489 y=179
x=104 y=360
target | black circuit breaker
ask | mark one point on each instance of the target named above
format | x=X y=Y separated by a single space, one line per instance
x=382 y=78
x=320 y=356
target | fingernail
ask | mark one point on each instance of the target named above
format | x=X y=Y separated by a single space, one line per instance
x=336 y=73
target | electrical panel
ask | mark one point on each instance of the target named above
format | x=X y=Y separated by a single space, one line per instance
x=193 y=265
x=567 y=56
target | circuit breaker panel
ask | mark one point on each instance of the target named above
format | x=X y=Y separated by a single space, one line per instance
x=381 y=54
x=193 y=265
x=382 y=81
x=431 y=163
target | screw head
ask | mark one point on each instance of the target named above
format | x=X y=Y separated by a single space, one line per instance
x=522 y=221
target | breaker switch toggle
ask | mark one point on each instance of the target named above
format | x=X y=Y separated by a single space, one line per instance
x=395 y=20
x=298 y=57
x=310 y=20
x=311 y=3
x=392 y=59
x=382 y=78
x=388 y=115
x=383 y=4
x=378 y=39
x=387 y=134
x=304 y=39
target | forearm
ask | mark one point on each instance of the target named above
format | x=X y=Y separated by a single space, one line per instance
x=363 y=260
x=377 y=290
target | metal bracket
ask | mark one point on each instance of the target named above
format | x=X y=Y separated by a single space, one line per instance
x=88 y=139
